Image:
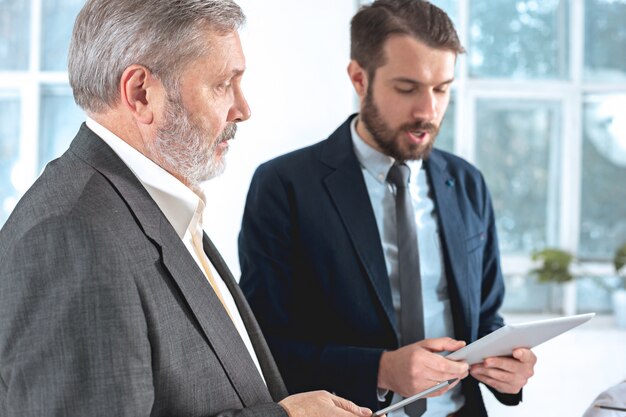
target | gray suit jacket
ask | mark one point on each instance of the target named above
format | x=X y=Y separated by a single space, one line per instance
x=103 y=312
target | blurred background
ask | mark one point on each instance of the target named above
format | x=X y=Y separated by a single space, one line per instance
x=539 y=105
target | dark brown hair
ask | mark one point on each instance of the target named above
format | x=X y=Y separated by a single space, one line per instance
x=375 y=23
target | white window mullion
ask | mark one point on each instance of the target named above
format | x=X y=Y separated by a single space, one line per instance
x=464 y=121
x=571 y=146
x=30 y=103
x=571 y=171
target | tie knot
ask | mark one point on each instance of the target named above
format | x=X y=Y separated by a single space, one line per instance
x=398 y=175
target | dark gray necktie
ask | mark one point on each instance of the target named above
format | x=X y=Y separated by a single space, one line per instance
x=411 y=305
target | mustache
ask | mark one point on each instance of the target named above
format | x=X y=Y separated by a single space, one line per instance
x=228 y=133
x=422 y=125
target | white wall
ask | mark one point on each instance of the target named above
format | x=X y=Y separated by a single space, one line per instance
x=298 y=90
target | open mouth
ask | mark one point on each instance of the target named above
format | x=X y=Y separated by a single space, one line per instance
x=418 y=136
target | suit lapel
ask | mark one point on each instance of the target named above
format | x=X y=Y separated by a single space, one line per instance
x=268 y=366
x=450 y=226
x=347 y=190
x=202 y=300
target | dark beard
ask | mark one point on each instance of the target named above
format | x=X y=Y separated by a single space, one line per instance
x=389 y=140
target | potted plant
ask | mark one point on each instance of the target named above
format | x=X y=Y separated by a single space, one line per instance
x=619 y=291
x=554 y=267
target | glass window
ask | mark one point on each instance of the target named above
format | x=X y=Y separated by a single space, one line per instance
x=14 y=34
x=603 y=193
x=596 y=298
x=605 y=40
x=445 y=139
x=60 y=118
x=524 y=294
x=515 y=144
x=58 y=20
x=525 y=39
x=451 y=7
x=9 y=153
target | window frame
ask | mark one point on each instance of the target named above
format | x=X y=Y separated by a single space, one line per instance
x=571 y=92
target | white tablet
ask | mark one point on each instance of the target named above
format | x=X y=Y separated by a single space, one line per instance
x=503 y=341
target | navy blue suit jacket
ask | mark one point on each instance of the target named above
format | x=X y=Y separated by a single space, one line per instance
x=314 y=272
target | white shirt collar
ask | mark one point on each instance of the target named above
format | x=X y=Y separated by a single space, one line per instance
x=180 y=205
x=376 y=162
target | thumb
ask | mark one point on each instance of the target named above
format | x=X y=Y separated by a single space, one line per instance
x=442 y=343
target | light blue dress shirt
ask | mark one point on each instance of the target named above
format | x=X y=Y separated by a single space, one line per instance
x=437 y=311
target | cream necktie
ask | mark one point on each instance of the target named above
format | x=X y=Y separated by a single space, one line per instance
x=196 y=238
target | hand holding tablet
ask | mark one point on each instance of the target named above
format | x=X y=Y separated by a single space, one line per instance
x=503 y=341
x=406 y=401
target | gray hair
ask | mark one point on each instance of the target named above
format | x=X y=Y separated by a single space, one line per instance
x=162 y=35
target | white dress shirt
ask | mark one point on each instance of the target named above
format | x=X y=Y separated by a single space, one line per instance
x=181 y=206
x=437 y=311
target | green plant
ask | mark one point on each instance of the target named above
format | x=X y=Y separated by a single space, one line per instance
x=619 y=261
x=554 y=267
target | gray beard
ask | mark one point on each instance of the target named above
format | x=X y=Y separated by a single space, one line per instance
x=185 y=149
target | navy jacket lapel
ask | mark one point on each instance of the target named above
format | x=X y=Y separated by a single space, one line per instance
x=205 y=305
x=347 y=189
x=450 y=224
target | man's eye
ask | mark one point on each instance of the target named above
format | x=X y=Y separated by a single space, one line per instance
x=405 y=90
x=224 y=87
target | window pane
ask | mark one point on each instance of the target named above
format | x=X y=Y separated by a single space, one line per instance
x=9 y=152
x=451 y=8
x=596 y=298
x=603 y=198
x=14 y=34
x=445 y=139
x=524 y=39
x=605 y=40
x=58 y=21
x=517 y=150
x=525 y=295
x=60 y=120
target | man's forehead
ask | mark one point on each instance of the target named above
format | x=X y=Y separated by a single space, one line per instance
x=224 y=56
x=404 y=56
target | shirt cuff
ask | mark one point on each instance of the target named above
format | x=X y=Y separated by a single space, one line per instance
x=382 y=394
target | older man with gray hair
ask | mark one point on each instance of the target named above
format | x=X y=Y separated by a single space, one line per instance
x=113 y=300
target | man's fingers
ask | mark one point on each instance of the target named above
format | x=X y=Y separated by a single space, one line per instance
x=494 y=383
x=441 y=344
x=525 y=355
x=351 y=407
x=443 y=368
x=507 y=364
x=494 y=373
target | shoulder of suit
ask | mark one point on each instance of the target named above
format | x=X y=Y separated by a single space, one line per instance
x=69 y=193
x=304 y=158
x=299 y=159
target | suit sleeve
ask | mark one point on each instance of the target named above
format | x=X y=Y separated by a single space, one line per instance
x=76 y=342
x=274 y=284
x=74 y=339
x=492 y=287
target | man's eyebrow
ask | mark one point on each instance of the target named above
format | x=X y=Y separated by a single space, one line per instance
x=237 y=72
x=229 y=75
x=415 y=82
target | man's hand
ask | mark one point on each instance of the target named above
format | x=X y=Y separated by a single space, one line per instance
x=322 y=404
x=416 y=367
x=505 y=374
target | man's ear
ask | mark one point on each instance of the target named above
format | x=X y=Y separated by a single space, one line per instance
x=359 y=79
x=141 y=93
